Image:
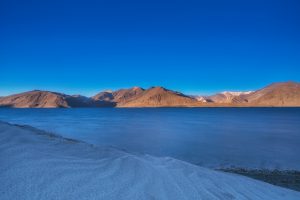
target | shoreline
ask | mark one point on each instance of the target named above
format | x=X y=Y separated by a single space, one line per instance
x=149 y=107
x=51 y=166
x=284 y=178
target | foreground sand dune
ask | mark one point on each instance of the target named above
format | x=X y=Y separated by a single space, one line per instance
x=38 y=165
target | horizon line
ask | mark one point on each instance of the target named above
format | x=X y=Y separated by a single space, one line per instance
x=94 y=92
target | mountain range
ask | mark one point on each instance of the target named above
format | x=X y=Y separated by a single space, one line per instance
x=284 y=94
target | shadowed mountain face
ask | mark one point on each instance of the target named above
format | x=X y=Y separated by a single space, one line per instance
x=103 y=96
x=153 y=97
x=277 y=94
x=126 y=95
x=159 y=97
x=119 y=96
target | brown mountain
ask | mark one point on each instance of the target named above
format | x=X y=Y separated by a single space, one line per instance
x=126 y=95
x=228 y=97
x=46 y=99
x=276 y=94
x=119 y=96
x=158 y=97
x=104 y=96
x=34 y=99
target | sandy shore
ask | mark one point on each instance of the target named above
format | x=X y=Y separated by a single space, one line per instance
x=38 y=165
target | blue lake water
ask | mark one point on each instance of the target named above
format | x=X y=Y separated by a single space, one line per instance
x=212 y=137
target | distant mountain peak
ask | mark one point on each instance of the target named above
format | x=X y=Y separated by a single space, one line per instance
x=236 y=93
x=137 y=88
x=108 y=91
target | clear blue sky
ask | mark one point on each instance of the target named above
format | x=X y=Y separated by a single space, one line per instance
x=196 y=47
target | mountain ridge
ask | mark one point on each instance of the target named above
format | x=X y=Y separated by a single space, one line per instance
x=280 y=94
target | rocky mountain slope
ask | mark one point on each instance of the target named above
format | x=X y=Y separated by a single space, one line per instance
x=282 y=94
x=120 y=96
x=276 y=94
x=34 y=99
x=46 y=99
x=158 y=97
x=228 y=97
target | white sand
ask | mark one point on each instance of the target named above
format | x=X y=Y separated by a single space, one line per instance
x=37 y=165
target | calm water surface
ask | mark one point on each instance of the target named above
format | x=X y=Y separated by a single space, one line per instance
x=213 y=137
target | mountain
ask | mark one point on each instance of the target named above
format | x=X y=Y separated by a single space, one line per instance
x=200 y=98
x=104 y=96
x=120 y=96
x=159 y=97
x=46 y=99
x=126 y=95
x=228 y=97
x=34 y=99
x=276 y=94
x=138 y=97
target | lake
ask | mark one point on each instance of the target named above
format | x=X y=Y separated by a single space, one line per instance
x=211 y=137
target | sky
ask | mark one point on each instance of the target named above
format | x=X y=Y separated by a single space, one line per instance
x=196 y=47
